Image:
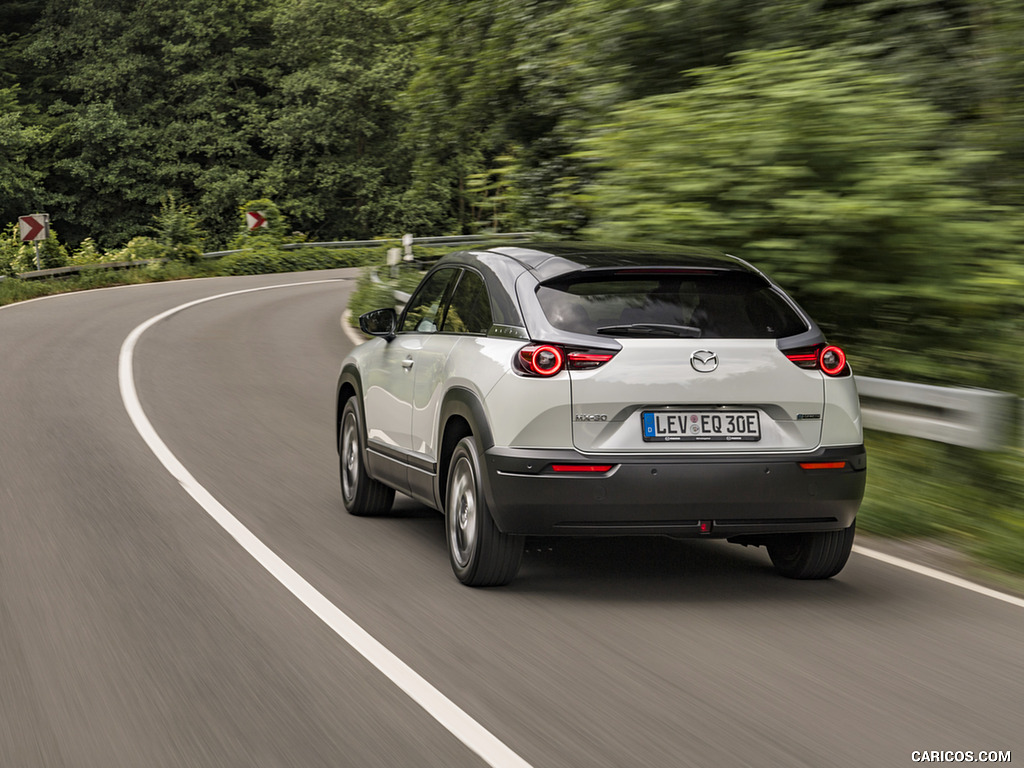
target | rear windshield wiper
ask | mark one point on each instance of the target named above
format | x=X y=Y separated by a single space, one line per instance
x=652 y=329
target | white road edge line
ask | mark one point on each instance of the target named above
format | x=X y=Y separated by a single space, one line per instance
x=467 y=730
x=933 y=573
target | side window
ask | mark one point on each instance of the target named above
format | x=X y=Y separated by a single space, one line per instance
x=423 y=315
x=470 y=308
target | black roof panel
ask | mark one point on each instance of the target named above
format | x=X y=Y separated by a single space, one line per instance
x=552 y=259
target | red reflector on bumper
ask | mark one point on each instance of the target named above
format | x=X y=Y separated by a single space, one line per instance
x=580 y=467
x=823 y=465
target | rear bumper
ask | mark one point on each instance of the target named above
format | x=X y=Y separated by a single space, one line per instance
x=737 y=495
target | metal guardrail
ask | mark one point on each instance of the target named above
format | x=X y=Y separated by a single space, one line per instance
x=974 y=418
x=41 y=274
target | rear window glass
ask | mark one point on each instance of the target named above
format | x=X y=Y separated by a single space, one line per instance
x=722 y=305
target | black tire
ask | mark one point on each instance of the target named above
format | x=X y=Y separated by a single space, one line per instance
x=812 y=555
x=363 y=496
x=480 y=554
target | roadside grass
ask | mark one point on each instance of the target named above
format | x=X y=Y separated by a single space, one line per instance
x=252 y=262
x=970 y=500
x=14 y=289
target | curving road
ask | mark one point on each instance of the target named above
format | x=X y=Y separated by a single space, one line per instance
x=135 y=630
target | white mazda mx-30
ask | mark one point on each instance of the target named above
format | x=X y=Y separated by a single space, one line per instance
x=578 y=389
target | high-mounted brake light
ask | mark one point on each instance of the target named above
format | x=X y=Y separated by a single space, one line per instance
x=548 y=359
x=669 y=271
x=829 y=359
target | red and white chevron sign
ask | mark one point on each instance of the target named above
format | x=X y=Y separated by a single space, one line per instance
x=255 y=219
x=34 y=227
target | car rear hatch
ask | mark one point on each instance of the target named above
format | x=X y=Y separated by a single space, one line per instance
x=700 y=369
x=652 y=398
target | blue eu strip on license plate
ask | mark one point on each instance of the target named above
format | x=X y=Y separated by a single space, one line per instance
x=693 y=426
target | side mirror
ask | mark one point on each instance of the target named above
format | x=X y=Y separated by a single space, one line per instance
x=379 y=322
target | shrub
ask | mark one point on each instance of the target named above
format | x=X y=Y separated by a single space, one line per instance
x=16 y=256
x=88 y=253
x=140 y=249
x=177 y=230
x=264 y=260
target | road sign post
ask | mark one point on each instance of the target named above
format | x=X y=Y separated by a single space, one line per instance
x=34 y=228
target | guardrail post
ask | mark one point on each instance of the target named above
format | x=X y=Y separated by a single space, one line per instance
x=394 y=257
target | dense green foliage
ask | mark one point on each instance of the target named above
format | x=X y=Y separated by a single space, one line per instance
x=867 y=153
x=214 y=102
x=260 y=261
x=835 y=178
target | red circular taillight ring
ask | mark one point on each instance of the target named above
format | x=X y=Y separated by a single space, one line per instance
x=542 y=365
x=836 y=360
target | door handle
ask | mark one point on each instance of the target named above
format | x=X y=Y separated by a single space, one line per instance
x=407 y=363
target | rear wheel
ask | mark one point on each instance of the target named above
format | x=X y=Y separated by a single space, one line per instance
x=362 y=495
x=480 y=554
x=812 y=555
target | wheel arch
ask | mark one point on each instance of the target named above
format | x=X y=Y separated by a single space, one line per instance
x=462 y=415
x=349 y=385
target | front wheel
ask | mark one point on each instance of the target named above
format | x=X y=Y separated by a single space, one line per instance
x=812 y=555
x=480 y=554
x=362 y=495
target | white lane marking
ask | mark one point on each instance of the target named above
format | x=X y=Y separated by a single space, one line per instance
x=933 y=573
x=467 y=730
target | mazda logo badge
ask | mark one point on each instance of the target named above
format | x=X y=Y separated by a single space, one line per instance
x=704 y=361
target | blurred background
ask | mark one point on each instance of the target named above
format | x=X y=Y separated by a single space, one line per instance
x=867 y=154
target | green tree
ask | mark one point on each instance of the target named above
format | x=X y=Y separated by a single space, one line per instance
x=332 y=130
x=997 y=66
x=218 y=102
x=835 y=178
x=20 y=176
x=489 y=82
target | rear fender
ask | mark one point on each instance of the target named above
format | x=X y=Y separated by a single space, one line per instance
x=462 y=413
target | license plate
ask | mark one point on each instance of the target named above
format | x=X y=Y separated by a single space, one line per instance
x=689 y=426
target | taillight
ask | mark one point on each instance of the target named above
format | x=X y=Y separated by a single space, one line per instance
x=581 y=361
x=548 y=359
x=804 y=358
x=542 y=360
x=833 y=360
x=827 y=358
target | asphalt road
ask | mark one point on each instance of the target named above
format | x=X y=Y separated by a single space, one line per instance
x=136 y=631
